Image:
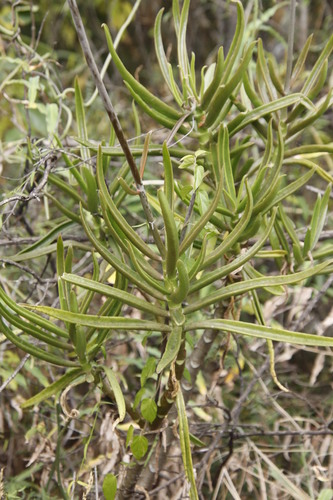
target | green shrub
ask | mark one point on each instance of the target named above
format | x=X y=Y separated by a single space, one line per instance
x=175 y=256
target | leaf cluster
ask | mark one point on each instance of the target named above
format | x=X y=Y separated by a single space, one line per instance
x=217 y=207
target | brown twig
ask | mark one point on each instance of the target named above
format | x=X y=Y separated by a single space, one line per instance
x=37 y=191
x=27 y=269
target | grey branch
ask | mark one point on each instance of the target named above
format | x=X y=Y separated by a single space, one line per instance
x=15 y=372
x=35 y=193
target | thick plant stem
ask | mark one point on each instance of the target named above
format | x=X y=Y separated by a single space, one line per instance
x=142 y=474
x=127 y=489
x=114 y=120
x=194 y=364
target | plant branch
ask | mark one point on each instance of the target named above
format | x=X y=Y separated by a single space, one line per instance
x=27 y=269
x=15 y=372
x=114 y=120
x=35 y=193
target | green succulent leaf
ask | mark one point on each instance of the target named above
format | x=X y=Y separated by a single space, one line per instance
x=225 y=90
x=62 y=228
x=33 y=330
x=114 y=323
x=91 y=190
x=35 y=319
x=311 y=165
x=159 y=117
x=120 y=266
x=152 y=101
x=185 y=444
x=110 y=291
x=315 y=72
x=172 y=239
x=245 y=118
x=180 y=293
x=245 y=286
x=29 y=348
x=211 y=277
x=82 y=130
x=236 y=44
x=225 y=165
x=260 y=331
x=213 y=86
x=299 y=65
x=118 y=217
x=201 y=223
x=297 y=126
x=119 y=397
x=285 y=192
x=171 y=349
x=168 y=177
x=165 y=66
x=317 y=221
x=234 y=235
x=68 y=190
x=64 y=381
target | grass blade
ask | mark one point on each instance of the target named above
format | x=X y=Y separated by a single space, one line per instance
x=185 y=444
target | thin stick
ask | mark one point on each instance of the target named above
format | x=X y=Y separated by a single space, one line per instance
x=116 y=43
x=16 y=371
x=114 y=121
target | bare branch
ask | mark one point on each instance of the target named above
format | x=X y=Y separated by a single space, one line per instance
x=35 y=193
x=15 y=372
